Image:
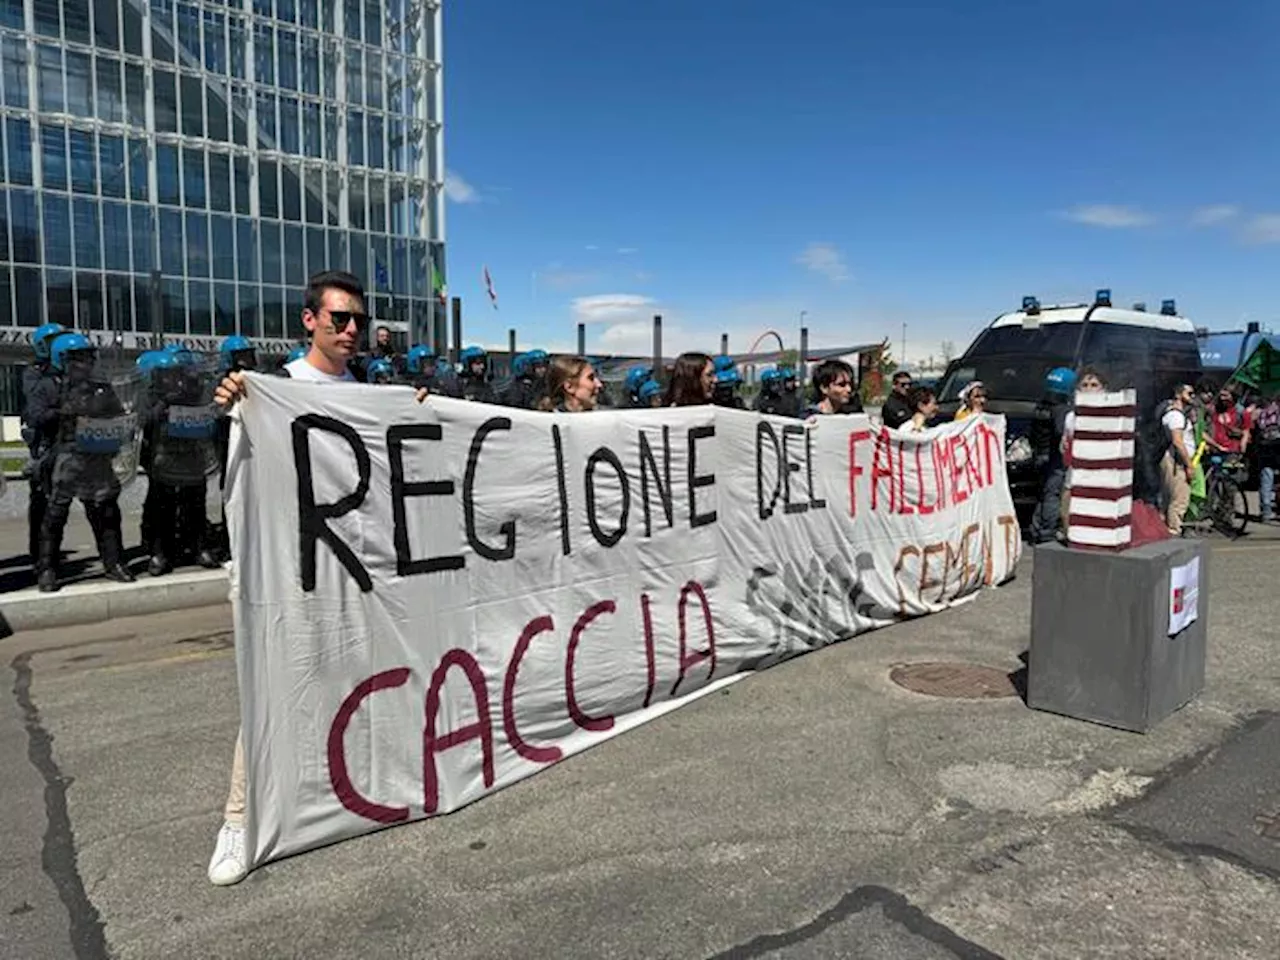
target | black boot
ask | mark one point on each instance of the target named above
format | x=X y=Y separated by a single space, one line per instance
x=160 y=564
x=112 y=547
x=48 y=553
x=36 y=506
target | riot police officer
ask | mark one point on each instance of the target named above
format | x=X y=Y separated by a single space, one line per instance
x=728 y=380
x=474 y=374
x=380 y=372
x=635 y=379
x=90 y=427
x=181 y=425
x=779 y=392
x=236 y=354
x=426 y=371
x=297 y=353
x=528 y=380
x=1047 y=431
x=41 y=340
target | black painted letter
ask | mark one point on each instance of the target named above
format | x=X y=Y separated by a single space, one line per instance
x=508 y=529
x=648 y=463
x=397 y=436
x=313 y=518
x=763 y=429
x=697 y=519
x=605 y=455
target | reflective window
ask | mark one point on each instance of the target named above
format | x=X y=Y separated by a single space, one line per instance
x=189 y=30
x=59 y=297
x=4 y=225
x=240 y=168
x=329 y=65
x=192 y=106
x=166 y=101
x=133 y=33
x=355 y=75
x=224 y=309
x=49 y=69
x=53 y=157
x=222 y=247
x=197 y=245
x=174 y=304
x=144 y=236
x=400 y=265
x=263 y=8
x=17 y=138
x=311 y=129
x=307 y=13
x=355 y=138
x=240 y=100
x=57 y=230
x=268 y=189
x=294 y=300
x=326 y=15
x=418 y=268
x=249 y=316
x=272 y=312
x=88 y=244
x=359 y=253
x=310 y=64
x=26 y=227
x=355 y=201
x=135 y=88
x=11 y=14
x=376 y=157
x=6 y=302
x=381 y=274
x=295 y=260
x=111 y=162
x=48 y=23
x=263 y=54
x=16 y=88
x=266 y=119
x=285 y=10
x=352 y=16
x=220 y=182
x=313 y=195
x=119 y=303
x=216 y=109
x=106 y=23
x=290 y=185
x=373 y=22
x=79 y=84
x=377 y=205
x=171 y=252
x=115 y=236
x=287 y=51
x=168 y=182
x=193 y=192
x=246 y=251
x=236 y=34
x=373 y=80
x=333 y=196
x=84 y=162
x=75 y=20
x=139 y=189
x=399 y=208
x=337 y=250
x=317 y=254
x=270 y=240
x=110 y=95
x=89 y=312
x=331 y=132
x=27 y=296
x=289 y=142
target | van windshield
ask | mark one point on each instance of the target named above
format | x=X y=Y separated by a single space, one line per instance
x=1012 y=361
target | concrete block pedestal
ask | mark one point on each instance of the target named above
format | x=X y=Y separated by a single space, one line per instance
x=1100 y=644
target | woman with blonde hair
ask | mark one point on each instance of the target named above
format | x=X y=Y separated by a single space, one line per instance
x=973 y=400
x=572 y=386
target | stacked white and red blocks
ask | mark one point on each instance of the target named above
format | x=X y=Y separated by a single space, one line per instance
x=1100 y=506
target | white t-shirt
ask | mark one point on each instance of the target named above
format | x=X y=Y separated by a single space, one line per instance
x=1177 y=422
x=300 y=369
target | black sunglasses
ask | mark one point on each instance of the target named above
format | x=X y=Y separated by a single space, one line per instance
x=340 y=319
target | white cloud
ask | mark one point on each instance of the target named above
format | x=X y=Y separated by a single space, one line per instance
x=457 y=190
x=1262 y=228
x=611 y=308
x=826 y=259
x=1108 y=216
x=591 y=246
x=627 y=251
x=1214 y=214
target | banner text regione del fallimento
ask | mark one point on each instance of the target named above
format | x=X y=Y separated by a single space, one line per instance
x=433 y=601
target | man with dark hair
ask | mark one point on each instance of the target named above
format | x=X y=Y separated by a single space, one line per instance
x=897 y=410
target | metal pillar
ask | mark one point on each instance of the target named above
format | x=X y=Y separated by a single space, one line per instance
x=582 y=339
x=511 y=344
x=657 y=348
x=803 y=372
x=456 y=348
x=724 y=344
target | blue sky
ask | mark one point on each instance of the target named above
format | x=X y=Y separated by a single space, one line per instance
x=731 y=163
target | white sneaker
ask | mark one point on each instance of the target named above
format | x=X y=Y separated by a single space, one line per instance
x=230 y=863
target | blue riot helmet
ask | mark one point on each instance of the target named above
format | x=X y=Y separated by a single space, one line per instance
x=772 y=378
x=70 y=347
x=649 y=391
x=42 y=338
x=722 y=363
x=471 y=355
x=636 y=378
x=174 y=348
x=237 y=353
x=520 y=365
x=1060 y=380
x=297 y=353
x=532 y=363
x=147 y=361
x=418 y=358
x=727 y=375
x=380 y=371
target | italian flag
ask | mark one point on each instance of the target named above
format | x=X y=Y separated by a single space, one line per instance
x=437 y=282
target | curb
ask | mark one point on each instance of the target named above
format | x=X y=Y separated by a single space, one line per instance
x=95 y=601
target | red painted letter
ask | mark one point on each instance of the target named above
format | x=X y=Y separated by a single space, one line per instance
x=339 y=777
x=882 y=468
x=518 y=744
x=480 y=729
x=691 y=659
x=597 y=724
x=855 y=471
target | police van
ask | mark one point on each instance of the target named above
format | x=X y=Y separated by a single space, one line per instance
x=1149 y=352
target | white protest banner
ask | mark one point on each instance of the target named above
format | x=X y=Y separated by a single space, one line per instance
x=433 y=601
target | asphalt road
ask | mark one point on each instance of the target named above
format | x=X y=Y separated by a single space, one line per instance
x=815 y=810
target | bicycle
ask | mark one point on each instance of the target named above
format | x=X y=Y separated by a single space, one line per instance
x=1225 y=506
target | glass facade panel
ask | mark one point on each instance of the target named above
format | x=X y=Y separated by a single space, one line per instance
x=27 y=296
x=224 y=309
x=168 y=182
x=143 y=320
x=75 y=20
x=59 y=297
x=138 y=186
x=115 y=236
x=144 y=238
x=220 y=182
x=84 y=162
x=295 y=261
x=53 y=156
x=110 y=96
x=119 y=290
x=197 y=245
x=171 y=244
x=166 y=101
x=193 y=192
x=57 y=230
x=269 y=239
x=112 y=165
x=87 y=228
x=135 y=94
x=246 y=250
x=272 y=312
x=249 y=311
x=49 y=71
x=106 y=24
x=17 y=141
x=17 y=89
x=173 y=303
x=79 y=84
x=200 y=308
x=222 y=247
x=89 y=312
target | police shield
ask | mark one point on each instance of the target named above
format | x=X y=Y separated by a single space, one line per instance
x=103 y=402
x=181 y=421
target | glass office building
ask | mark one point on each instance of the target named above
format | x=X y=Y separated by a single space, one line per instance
x=177 y=170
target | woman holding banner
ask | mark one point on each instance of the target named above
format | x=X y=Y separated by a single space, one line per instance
x=572 y=386
x=693 y=381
